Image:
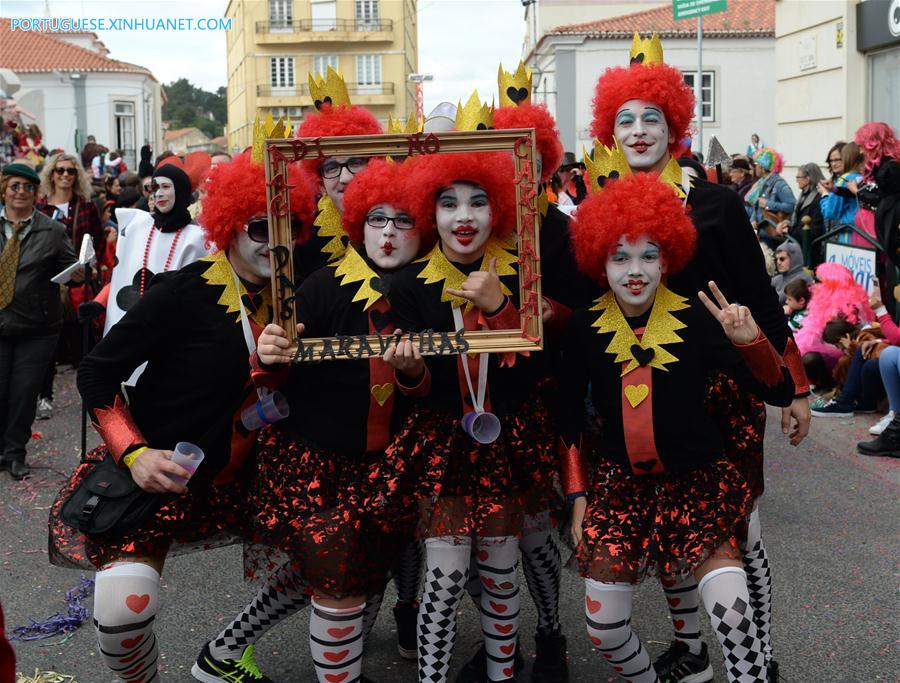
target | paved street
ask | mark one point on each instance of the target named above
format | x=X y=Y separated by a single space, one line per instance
x=830 y=522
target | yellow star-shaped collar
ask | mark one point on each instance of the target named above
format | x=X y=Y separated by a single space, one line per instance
x=330 y=227
x=672 y=174
x=219 y=273
x=439 y=269
x=353 y=268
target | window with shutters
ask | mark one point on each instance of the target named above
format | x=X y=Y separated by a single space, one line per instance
x=368 y=72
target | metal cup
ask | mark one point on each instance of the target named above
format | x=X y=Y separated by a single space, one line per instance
x=267 y=410
x=481 y=426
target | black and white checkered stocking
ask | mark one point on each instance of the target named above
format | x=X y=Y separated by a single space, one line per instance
x=543 y=570
x=759 y=582
x=283 y=596
x=607 y=610
x=499 y=603
x=727 y=601
x=370 y=613
x=408 y=572
x=683 y=601
x=336 y=642
x=446 y=572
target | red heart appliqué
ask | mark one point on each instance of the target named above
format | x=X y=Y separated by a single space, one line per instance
x=508 y=672
x=607 y=655
x=336 y=656
x=592 y=605
x=131 y=657
x=504 y=628
x=596 y=641
x=668 y=583
x=488 y=581
x=674 y=601
x=483 y=556
x=508 y=649
x=336 y=678
x=340 y=632
x=129 y=643
x=679 y=624
x=499 y=607
x=137 y=603
x=618 y=668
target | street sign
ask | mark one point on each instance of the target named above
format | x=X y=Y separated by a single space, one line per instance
x=688 y=9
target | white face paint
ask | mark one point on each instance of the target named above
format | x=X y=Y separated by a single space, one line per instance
x=643 y=132
x=390 y=247
x=463 y=217
x=164 y=195
x=634 y=270
x=250 y=259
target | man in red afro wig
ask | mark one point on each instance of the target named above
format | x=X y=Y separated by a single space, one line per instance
x=549 y=146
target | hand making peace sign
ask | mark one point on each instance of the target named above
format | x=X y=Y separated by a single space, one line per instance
x=736 y=321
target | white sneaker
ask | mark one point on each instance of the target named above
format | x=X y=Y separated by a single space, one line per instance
x=44 y=409
x=880 y=426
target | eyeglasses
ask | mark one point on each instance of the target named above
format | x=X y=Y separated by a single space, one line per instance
x=21 y=187
x=802 y=177
x=258 y=229
x=834 y=161
x=60 y=171
x=380 y=221
x=333 y=169
x=147 y=187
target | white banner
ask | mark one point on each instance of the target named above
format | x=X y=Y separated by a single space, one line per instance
x=858 y=260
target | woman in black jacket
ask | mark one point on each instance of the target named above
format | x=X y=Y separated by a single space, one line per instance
x=808 y=178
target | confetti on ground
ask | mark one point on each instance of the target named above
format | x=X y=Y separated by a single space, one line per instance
x=45 y=677
x=59 y=624
x=37 y=435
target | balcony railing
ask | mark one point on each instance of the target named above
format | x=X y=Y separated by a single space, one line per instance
x=302 y=90
x=324 y=25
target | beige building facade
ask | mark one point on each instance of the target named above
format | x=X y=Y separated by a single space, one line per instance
x=275 y=44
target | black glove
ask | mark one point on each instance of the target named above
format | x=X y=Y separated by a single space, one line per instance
x=90 y=310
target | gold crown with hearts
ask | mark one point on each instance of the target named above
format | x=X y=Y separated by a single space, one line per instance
x=330 y=89
x=646 y=50
x=515 y=88
x=604 y=163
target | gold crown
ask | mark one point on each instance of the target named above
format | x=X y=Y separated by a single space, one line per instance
x=265 y=130
x=515 y=88
x=329 y=89
x=646 y=51
x=412 y=126
x=605 y=163
x=475 y=115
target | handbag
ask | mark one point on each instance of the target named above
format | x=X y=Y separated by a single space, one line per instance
x=108 y=501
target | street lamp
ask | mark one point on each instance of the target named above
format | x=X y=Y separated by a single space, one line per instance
x=419 y=79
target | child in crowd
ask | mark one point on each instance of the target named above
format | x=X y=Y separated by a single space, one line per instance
x=796 y=299
x=857 y=375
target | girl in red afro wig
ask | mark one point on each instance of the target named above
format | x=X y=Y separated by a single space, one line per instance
x=236 y=192
x=662 y=496
x=534 y=116
x=382 y=182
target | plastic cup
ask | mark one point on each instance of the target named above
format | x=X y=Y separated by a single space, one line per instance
x=267 y=410
x=189 y=456
x=483 y=427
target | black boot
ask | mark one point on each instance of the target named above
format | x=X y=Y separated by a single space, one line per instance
x=772 y=673
x=885 y=444
x=550 y=662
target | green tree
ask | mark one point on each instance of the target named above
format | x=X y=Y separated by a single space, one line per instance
x=189 y=107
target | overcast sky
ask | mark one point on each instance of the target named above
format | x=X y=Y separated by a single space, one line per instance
x=461 y=42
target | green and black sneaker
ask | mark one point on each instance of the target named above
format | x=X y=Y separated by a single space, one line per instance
x=244 y=670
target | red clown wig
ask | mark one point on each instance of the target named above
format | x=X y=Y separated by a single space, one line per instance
x=382 y=182
x=626 y=209
x=546 y=133
x=337 y=122
x=876 y=140
x=493 y=171
x=660 y=84
x=236 y=192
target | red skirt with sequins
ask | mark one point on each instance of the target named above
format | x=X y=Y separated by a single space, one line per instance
x=741 y=418
x=663 y=525
x=434 y=472
x=311 y=507
x=202 y=519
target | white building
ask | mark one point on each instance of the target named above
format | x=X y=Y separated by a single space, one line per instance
x=74 y=90
x=738 y=67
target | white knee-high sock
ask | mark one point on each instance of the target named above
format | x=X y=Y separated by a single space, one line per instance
x=727 y=601
x=607 y=610
x=683 y=601
x=543 y=570
x=126 y=600
x=284 y=595
x=500 y=603
x=759 y=582
x=336 y=642
x=446 y=572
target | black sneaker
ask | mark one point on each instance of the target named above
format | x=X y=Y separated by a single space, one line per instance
x=772 y=672
x=678 y=665
x=475 y=670
x=550 y=662
x=405 y=616
x=244 y=670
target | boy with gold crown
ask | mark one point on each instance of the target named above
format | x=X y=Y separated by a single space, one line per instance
x=658 y=496
x=647 y=108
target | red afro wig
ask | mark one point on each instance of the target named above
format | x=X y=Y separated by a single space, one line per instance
x=494 y=171
x=630 y=207
x=657 y=83
x=236 y=192
x=545 y=131
x=877 y=140
x=337 y=122
x=382 y=182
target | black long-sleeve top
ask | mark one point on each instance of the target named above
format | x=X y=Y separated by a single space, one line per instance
x=560 y=278
x=684 y=433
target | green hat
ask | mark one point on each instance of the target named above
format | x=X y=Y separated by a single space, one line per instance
x=23 y=171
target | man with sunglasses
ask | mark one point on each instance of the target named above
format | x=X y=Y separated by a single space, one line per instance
x=33 y=248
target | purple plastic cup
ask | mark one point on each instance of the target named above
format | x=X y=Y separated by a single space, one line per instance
x=189 y=456
x=483 y=427
x=267 y=410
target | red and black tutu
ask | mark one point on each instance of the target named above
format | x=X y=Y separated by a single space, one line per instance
x=663 y=525
x=311 y=507
x=453 y=486
x=204 y=518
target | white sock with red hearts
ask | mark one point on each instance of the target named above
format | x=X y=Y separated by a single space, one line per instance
x=500 y=603
x=607 y=610
x=126 y=599
x=336 y=642
x=683 y=600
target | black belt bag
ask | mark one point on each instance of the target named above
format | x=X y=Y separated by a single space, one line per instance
x=108 y=501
